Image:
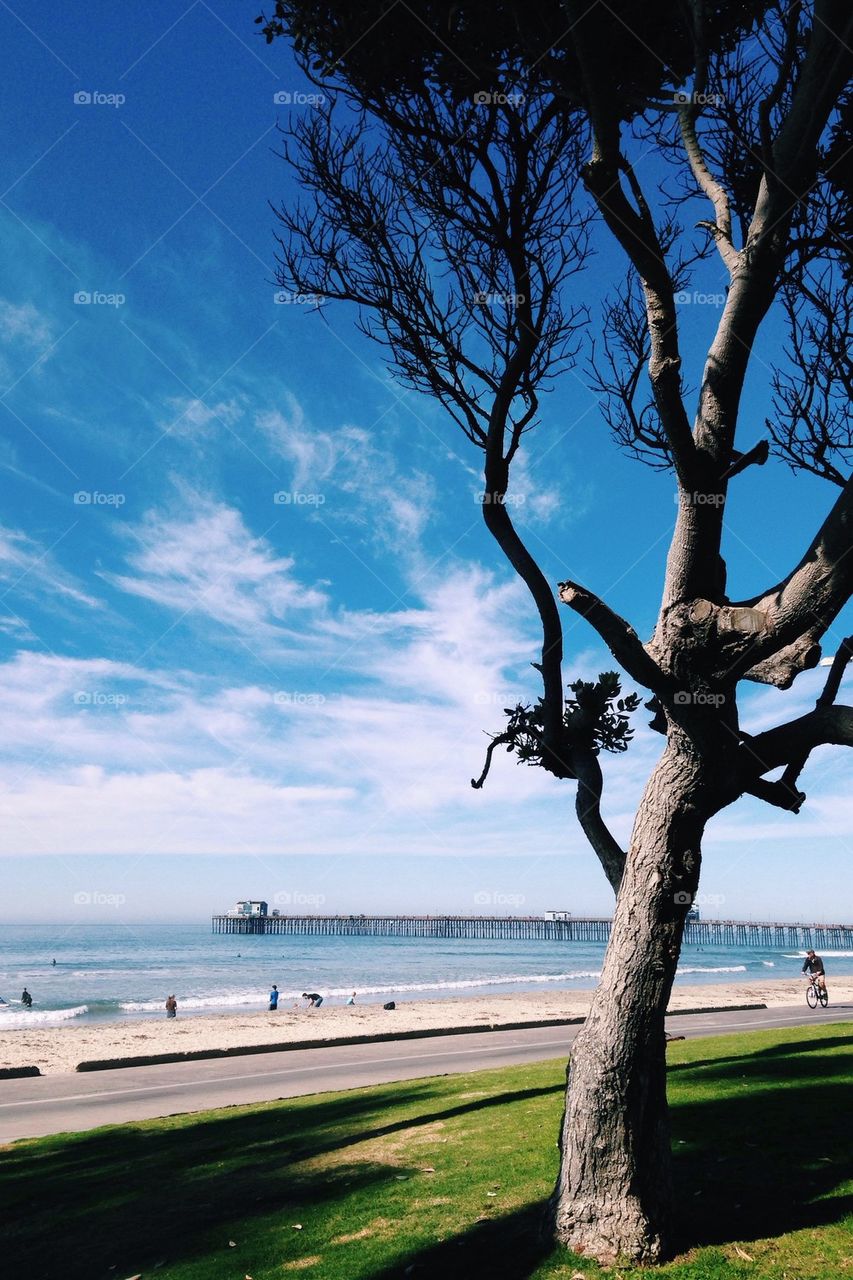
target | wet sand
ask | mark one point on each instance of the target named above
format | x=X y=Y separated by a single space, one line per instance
x=60 y=1049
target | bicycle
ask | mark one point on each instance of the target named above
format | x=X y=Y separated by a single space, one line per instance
x=815 y=994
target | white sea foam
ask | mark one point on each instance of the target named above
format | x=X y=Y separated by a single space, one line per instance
x=769 y=964
x=801 y=955
x=11 y=1017
x=724 y=968
x=255 y=997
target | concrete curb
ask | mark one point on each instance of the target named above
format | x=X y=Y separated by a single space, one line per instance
x=18 y=1073
x=717 y=1008
x=381 y=1037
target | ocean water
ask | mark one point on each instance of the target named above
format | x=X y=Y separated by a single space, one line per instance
x=126 y=971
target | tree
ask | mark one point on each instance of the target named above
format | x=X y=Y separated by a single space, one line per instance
x=464 y=158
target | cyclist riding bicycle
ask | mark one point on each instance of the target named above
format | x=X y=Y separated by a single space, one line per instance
x=814 y=966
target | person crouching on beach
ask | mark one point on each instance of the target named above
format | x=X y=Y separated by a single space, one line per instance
x=273 y=998
x=171 y=1007
x=314 y=1000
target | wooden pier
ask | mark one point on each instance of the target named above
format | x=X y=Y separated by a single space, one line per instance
x=703 y=933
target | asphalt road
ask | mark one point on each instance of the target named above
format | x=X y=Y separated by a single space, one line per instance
x=75 y=1102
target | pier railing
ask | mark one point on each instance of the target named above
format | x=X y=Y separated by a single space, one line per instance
x=710 y=933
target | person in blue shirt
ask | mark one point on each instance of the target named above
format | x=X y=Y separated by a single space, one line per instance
x=273 y=998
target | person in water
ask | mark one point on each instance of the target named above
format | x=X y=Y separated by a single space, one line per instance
x=26 y=999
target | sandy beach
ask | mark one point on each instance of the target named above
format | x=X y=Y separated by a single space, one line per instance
x=60 y=1049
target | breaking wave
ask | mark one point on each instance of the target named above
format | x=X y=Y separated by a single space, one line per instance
x=10 y=1017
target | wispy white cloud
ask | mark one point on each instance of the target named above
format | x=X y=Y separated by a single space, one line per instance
x=388 y=501
x=30 y=569
x=24 y=323
x=190 y=416
x=202 y=559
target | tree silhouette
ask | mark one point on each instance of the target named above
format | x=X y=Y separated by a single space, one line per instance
x=452 y=180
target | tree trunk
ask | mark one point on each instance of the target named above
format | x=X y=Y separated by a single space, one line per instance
x=613 y=1194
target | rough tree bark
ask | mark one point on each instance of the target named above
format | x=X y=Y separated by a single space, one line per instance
x=613 y=1193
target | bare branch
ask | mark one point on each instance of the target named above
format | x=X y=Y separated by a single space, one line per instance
x=836 y=673
x=714 y=190
x=499 y=740
x=781 y=669
x=633 y=227
x=588 y=808
x=797 y=739
x=824 y=726
x=803 y=606
x=757 y=456
x=619 y=636
x=822 y=74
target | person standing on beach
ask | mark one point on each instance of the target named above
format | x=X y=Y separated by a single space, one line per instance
x=171 y=1007
x=273 y=998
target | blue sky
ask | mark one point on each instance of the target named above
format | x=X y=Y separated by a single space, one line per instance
x=208 y=693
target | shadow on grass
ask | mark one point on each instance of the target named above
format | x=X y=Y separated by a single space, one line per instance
x=508 y=1248
x=760 y=1164
x=115 y=1201
x=755 y=1062
x=764 y=1156
x=763 y=1163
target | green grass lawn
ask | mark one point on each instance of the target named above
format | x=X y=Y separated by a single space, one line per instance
x=445 y=1178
